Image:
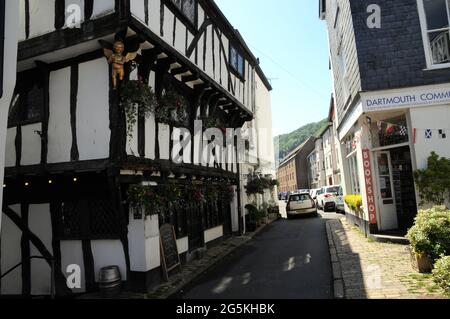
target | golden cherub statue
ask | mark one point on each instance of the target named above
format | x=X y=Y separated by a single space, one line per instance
x=117 y=60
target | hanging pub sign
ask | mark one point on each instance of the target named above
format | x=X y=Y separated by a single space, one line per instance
x=170 y=258
x=369 y=187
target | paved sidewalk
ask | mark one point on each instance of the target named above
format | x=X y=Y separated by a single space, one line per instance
x=364 y=269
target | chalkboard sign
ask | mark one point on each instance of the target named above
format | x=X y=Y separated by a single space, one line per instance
x=169 y=249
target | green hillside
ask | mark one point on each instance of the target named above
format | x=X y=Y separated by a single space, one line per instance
x=290 y=141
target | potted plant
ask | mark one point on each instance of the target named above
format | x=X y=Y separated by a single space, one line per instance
x=354 y=203
x=429 y=237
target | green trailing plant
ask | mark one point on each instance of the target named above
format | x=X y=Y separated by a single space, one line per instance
x=257 y=184
x=433 y=182
x=137 y=100
x=153 y=199
x=172 y=107
x=354 y=202
x=430 y=235
x=441 y=274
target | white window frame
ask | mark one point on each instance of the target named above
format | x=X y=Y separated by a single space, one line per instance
x=425 y=39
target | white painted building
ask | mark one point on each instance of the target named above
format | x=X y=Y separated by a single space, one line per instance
x=392 y=103
x=70 y=159
x=262 y=150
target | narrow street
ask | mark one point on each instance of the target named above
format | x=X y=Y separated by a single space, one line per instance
x=288 y=260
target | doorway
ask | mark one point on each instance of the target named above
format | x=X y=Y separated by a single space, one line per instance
x=385 y=195
x=405 y=193
x=396 y=192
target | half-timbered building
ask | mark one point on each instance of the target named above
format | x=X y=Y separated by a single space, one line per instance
x=72 y=153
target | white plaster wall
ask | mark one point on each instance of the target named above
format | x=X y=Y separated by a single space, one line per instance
x=80 y=3
x=183 y=245
x=224 y=62
x=209 y=52
x=168 y=25
x=180 y=37
x=235 y=211
x=201 y=15
x=164 y=139
x=150 y=137
x=11 y=255
x=108 y=253
x=143 y=241
x=213 y=233
x=39 y=222
x=59 y=127
x=31 y=144
x=430 y=117
x=21 y=31
x=136 y=244
x=103 y=7
x=72 y=254
x=263 y=117
x=10 y=149
x=93 y=133
x=137 y=9
x=42 y=13
x=154 y=15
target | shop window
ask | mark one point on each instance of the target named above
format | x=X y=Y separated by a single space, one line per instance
x=434 y=19
x=28 y=100
x=236 y=62
x=389 y=132
x=354 y=174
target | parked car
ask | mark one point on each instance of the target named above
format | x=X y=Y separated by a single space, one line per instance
x=340 y=207
x=300 y=204
x=326 y=200
x=313 y=193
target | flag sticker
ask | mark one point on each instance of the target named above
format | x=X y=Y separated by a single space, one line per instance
x=428 y=134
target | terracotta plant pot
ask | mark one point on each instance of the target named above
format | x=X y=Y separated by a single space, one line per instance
x=421 y=263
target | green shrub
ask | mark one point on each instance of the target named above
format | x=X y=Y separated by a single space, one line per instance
x=441 y=273
x=433 y=182
x=354 y=202
x=430 y=235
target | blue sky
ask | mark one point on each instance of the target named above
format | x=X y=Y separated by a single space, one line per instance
x=291 y=43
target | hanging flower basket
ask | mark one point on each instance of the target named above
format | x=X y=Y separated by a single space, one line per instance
x=172 y=108
x=137 y=100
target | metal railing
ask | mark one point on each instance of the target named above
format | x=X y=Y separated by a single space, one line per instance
x=52 y=270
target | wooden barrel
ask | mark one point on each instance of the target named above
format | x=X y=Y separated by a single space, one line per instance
x=110 y=281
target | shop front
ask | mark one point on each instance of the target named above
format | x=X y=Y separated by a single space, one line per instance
x=388 y=136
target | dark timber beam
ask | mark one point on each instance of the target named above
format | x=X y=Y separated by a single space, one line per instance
x=179 y=70
x=189 y=78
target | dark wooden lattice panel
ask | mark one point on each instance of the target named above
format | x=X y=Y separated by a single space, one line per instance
x=103 y=219
x=70 y=221
x=187 y=7
x=34 y=103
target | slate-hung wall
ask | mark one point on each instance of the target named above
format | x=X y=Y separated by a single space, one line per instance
x=343 y=53
x=394 y=55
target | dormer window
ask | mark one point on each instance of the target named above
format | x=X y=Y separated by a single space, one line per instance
x=434 y=19
x=236 y=62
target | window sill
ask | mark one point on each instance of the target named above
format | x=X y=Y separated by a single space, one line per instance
x=437 y=67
